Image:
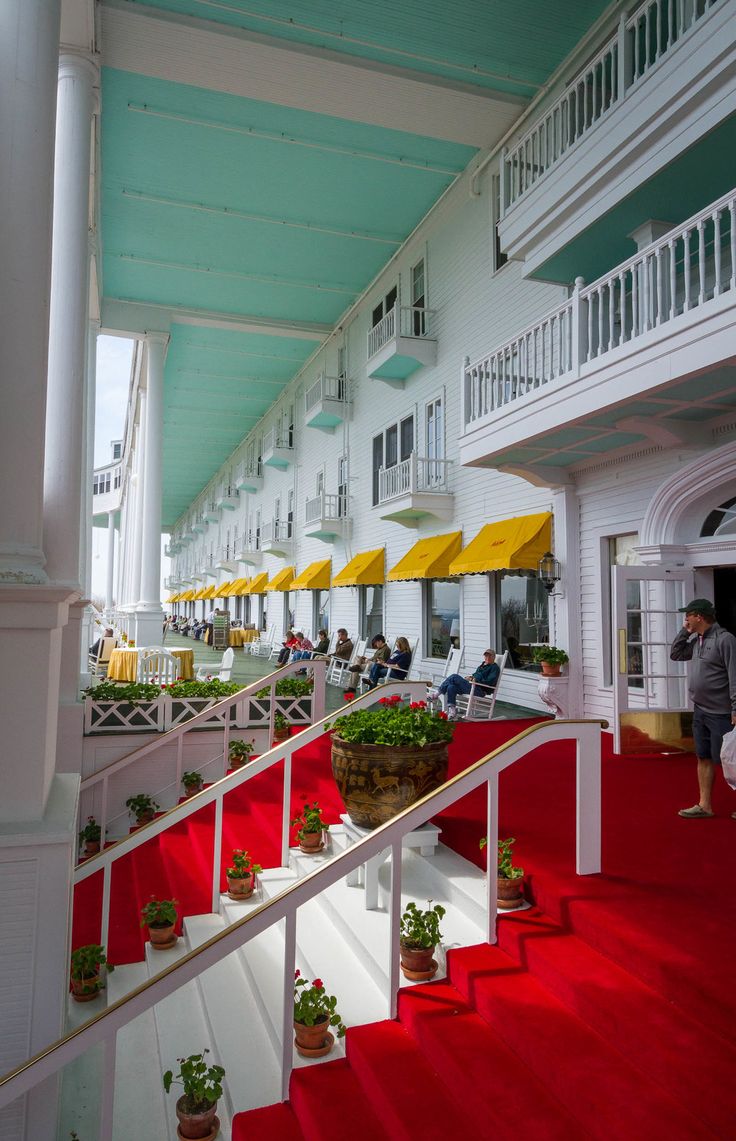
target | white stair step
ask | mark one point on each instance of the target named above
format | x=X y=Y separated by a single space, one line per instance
x=244 y=1044
x=140 y=1101
x=182 y=1029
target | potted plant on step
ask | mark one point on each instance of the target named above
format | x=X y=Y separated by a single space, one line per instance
x=239 y=753
x=419 y=935
x=314 y=1013
x=85 y=972
x=311 y=826
x=143 y=807
x=281 y=727
x=160 y=916
x=196 y=1109
x=241 y=875
x=193 y=783
x=91 y=836
x=551 y=659
x=388 y=756
x=510 y=879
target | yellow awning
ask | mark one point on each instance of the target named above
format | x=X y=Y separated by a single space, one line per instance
x=429 y=558
x=512 y=544
x=257 y=585
x=242 y=586
x=210 y=592
x=282 y=580
x=315 y=577
x=198 y=595
x=231 y=589
x=187 y=596
x=366 y=569
x=171 y=599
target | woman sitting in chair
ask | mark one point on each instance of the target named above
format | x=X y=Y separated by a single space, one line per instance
x=396 y=667
x=485 y=678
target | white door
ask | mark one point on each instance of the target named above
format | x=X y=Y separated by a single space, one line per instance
x=650 y=690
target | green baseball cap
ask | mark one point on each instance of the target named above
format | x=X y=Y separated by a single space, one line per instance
x=701 y=606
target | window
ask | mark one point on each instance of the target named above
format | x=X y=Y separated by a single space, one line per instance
x=385 y=306
x=498 y=257
x=342 y=373
x=522 y=616
x=442 y=616
x=257 y=530
x=290 y=514
x=342 y=486
x=393 y=445
x=320 y=485
x=618 y=550
x=418 y=300
x=116 y=483
x=370 y=611
x=435 y=440
x=95 y=485
x=117 y=451
x=320 y=611
x=107 y=481
x=287 y=427
x=720 y=521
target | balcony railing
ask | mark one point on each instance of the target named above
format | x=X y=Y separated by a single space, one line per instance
x=326 y=388
x=415 y=474
x=641 y=40
x=326 y=507
x=413 y=321
x=679 y=272
x=275 y=438
x=276 y=531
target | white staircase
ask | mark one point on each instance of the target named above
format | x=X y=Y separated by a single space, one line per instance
x=235 y=1007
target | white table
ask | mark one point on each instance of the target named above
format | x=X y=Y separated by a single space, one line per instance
x=425 y=838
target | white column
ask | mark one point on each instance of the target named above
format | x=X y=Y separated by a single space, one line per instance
x=149 y=613
x=137 y=482
x=566 y=632
x=110 y=560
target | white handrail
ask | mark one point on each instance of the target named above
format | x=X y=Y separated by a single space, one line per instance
x=105 y=1026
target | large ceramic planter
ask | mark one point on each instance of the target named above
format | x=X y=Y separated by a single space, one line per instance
x=378 y=781
x=197 y=1126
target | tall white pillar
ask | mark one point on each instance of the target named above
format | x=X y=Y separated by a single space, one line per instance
x=149 y=612
x=110 y=561
x=137 y=515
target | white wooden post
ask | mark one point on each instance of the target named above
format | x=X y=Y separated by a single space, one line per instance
x=492 y=850
x=394 y=928
x=579 y=331
x=588 y=786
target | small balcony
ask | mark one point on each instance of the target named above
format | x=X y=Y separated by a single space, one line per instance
x=277 y=539
x=199 y=524
x=248 y=549
x=210 y=566
x=277 y=450
x=327 y=517
x=225 y=559
x=212 y=511
x=326 y=403
x=413 y=489
x=642 y=356
x=172 y=581
x=400 y=344
x=198 y=574
x=172 y=548
x=228 y=497
x=249 y=476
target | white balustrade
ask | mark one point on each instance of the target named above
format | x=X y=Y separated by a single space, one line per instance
x=325 y=388
x=413 y=321
x=680 y=272
x=642 y=39
x=326 y=506
x=415 y=474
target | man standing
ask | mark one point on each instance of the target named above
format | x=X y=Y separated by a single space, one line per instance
x=711 y=650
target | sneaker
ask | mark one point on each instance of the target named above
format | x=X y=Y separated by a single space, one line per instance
x=452 y=713
x=432 y=694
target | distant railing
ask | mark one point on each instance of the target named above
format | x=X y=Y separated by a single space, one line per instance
x=326 y=388
x=642 y=39
x=326 y=506
x=275 y=530
x=417 y=473
x=248 y=471
x=275 y=438
x=413 y=321
x=689 y=265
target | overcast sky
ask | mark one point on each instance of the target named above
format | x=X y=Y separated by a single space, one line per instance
x=114 y=355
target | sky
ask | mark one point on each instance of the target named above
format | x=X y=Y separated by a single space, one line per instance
x=114 y=356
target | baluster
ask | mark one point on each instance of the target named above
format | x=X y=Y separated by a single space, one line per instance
x=732 y=216
x=701 y=261
x=660 y=288
x=611 y=300
x=647 y=38
x=599 y=295
x=543 y=345
x=594 y=97
x=686 y=268
x=589 y=355
x=604 y=72
x=635 y=299
x=621 y=307
x=673 y=279
x=717 y=251
x=657 y=30
x=671 y=23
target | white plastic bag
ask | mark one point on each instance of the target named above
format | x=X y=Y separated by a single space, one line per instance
x=728 y=757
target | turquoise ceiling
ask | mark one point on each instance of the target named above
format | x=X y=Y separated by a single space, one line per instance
x=493 y=44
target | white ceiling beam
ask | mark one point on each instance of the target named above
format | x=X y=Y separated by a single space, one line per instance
x=539 y=475
x=219 y=57
x=125 y=317
x=665 y=432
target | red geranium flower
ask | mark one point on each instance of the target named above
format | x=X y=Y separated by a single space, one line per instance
x=297 y=974
x=318 y=983
x=442 y=715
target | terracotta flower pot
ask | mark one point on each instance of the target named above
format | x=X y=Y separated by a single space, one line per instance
x=91 y=847
x=310 y=842
x=378 y=781
x=84 y=990
x=313 y=1038
x=192 y=789
x=240 y=887
x=510 y=893
x=417 y=962
x=238 y=762
x=550 y=669
x=281 y=734
x=145 y=817
x=197 y=1126
x=162 y=937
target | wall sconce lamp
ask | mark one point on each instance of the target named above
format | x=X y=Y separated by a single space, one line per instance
x=549 y=572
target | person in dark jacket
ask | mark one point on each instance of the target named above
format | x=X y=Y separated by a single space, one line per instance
x=711 y=651
x=485 y=676
x=396 y=667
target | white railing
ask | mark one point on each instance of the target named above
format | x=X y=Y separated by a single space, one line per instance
x=247 y=472
x=681 y=271
x=326 y=506
x=415 y=474
x=273 y=439
x=413 y=321
x=250 y=544
x=485 y=773
x=275 y=531
x=641 y=40
x=325 y=388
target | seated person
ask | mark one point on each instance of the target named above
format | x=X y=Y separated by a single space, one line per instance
x=344 y=646
x=94 y=650
x=396 y=667
x=485 y=677
x=323 y=643
x=288 y=644
x=303 y=648
x=381 y=654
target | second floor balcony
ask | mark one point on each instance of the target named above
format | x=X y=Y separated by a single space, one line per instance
x=278 y=448
x=277 y=538
x=326 y=403
x=210 y=566
x=401 y=343
x=644 y=354
x=199 y=524
x=248 y=548
x=228 y=496
x=414 y=488
x=249 y=476
x=225 y=557
x=327 y=517
x=172 y=581
x=212 y=511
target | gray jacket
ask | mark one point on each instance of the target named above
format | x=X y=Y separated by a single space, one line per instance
x=712 y=680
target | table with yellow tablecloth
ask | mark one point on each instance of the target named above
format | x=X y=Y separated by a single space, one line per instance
x=240 y=637
x=124 y=664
